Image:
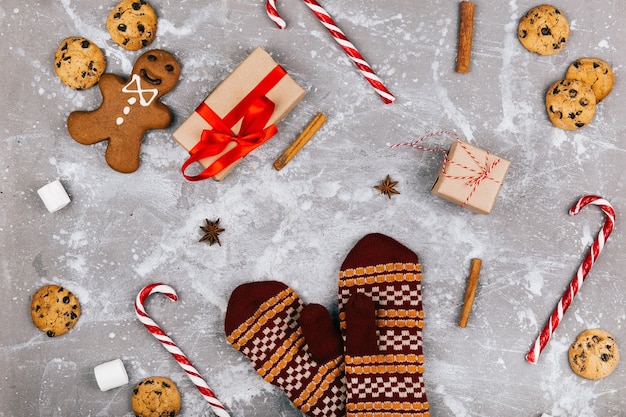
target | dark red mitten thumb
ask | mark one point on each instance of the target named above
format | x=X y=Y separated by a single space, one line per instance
x=320 y=334
x=361 y=339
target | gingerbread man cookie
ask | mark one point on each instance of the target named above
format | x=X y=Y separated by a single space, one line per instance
x=129 y=108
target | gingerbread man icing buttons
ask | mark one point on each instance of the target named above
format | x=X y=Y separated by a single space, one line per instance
x=129 y=108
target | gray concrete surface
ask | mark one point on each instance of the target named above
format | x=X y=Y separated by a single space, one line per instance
x=123 y=231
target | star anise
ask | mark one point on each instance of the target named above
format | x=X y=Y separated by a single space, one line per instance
x=387 y=187
x=212 y=231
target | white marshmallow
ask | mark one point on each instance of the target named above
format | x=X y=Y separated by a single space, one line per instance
x=54 y=196
x=111 y=375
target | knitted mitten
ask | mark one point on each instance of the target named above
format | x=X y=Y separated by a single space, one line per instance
x=381 y=319
x=291 y=345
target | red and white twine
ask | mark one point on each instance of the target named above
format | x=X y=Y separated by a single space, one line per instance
x=479 y=173
x=171 y=347
x=581 y=274
x=324 y=17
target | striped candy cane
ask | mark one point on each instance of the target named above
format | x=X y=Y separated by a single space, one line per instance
x=171 y=347
x=356 y=57
x=583 y=270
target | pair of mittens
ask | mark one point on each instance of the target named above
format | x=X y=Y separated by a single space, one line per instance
x=374 y=366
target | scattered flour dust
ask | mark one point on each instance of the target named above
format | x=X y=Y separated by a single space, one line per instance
x=579 y=399
x=240 y=383
x=455 y=406
x=509 y=106
x=58 y=387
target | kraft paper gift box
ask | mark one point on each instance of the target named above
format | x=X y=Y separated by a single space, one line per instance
x=257 y=77
x=471 y=177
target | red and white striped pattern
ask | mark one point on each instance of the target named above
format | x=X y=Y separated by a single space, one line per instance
x=171 y=347
x=415 y=144
x=272 y=12
x=583 y=270
x=356 y=57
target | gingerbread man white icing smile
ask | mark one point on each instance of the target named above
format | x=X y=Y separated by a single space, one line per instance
x=129 y=108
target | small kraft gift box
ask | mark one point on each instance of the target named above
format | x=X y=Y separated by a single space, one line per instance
x=471 y=177
x=238 y=116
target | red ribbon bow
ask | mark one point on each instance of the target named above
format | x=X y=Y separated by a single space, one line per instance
x=255 y=109
x=252 y=134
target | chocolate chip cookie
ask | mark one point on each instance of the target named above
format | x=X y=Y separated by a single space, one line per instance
x=594 y=354
x=79 y=63
x=544 y=30
x=595 y=72
x=156 y=396
x=571 y=104
x=54 y=310
x=132 y=24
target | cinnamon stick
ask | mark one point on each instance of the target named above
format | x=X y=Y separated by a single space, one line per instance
x=300 y=141
x=466 y=32
x=470 y=291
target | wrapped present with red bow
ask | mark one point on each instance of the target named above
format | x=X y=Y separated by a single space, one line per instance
x=238 y=116
x=471 y=177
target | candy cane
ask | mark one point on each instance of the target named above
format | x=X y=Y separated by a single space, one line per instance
x=171 y=347
x=328 y=22
x=583 y=270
